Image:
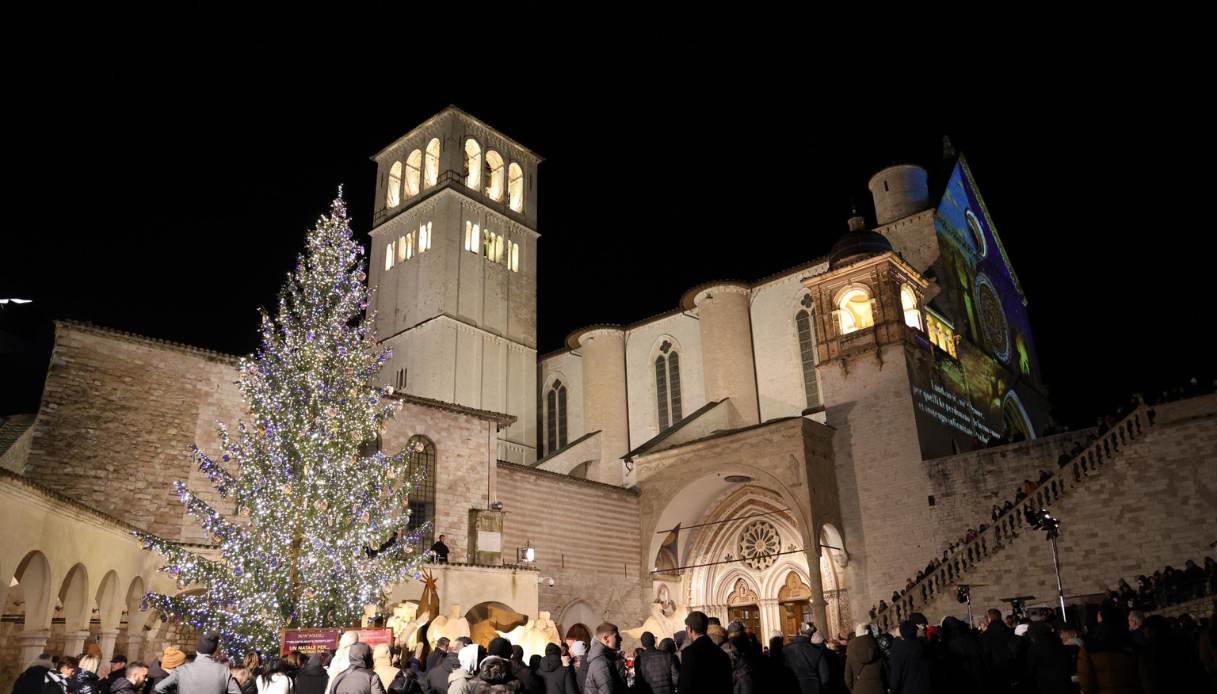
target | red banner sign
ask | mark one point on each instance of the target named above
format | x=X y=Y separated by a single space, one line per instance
x=308 y=641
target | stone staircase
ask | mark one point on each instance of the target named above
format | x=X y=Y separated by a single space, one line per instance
x=1098 y=455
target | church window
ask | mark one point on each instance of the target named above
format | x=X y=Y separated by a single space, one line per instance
x=393 y=194
x=401 y=379
x=422 y=497
x=494 y=175
x=473 y=164
x=941 y=333
x=667 y=385
x=515 y=187
x=492 y=246
x=432 y=169
x=978 y=236
x=807 y=351
x=471 y=236
x=514 y=262
x=389 y=256
x=424 y=237
x=403 y=253
x=555 y=417
x=414 y=165
x=855 y=311
x=908 y=300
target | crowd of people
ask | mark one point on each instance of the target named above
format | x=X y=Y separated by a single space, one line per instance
x=1169 y=586
x=1123 y=651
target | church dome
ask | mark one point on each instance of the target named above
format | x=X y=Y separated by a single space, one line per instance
x=858 y=243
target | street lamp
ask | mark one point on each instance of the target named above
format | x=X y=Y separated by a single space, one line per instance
x=526 y=554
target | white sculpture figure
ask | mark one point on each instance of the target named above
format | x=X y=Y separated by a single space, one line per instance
x=534 y=636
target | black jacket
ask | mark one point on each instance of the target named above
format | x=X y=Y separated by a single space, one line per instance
x=30 y=681
x=656 y=672
x=121 y=685
x=558 y=678
x=910 y=667
x=437 y=676
x=311 y=679
x=85 y=682
x=704 y=668
x=808 y=663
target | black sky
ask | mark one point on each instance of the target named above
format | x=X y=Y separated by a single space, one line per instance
x=173 y=208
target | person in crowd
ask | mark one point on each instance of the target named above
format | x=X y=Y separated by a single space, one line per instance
x=807 y=661
x=743 y=675
x=86 y=681
x=704 y=667
x=578 y=661
x=1047 y=667
x=863 y=664
x=655 y=671
x=529 y=681
x=172 y=657
x=132 y=679
x=909 y=662
x=312 y=677
x=436 y=676
x=358 y=677
x=31 y=679
x=997 y=652
x=59 y=680
x=460 y=680
x=1169 y=661
x=1107 y=662
x=341 y=660
x=440 y=652
x=118 y=668
x=246 y=679
x=604 y=673
x=494 y=673
x=961 y=666
x=275 y=677
x=391 y=678
x=202 y=676
x=440 y=550
x=558 y=678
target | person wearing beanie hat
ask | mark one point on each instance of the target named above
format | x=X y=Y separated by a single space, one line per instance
x=558 y=678
x=656 y=669
x=201 y=676
x=864 y=664
x=494 y=673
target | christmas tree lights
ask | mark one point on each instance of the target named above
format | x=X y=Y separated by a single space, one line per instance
x=321 y=518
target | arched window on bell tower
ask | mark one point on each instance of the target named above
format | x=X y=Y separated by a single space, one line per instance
x=555 y=417
x=807 y=352
x=667 y=385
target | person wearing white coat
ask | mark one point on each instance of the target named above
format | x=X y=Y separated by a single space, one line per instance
x=342 y=658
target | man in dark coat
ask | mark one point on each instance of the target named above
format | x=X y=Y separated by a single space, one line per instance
x=437 y=676
x=746 y=666
x=132 y=679
x=997 y=653
x=864 y=664
x=807 y=661
x=558 y=678
x=30 y=681
x=704 y=667
x=605 y=670
x=439 y=654
x=312 y=678
x=655 y=671
x=910 y=663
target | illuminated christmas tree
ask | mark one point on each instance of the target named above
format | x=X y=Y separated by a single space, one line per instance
x=321 y=524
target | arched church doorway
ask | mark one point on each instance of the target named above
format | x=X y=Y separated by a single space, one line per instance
x=743 y=607
x=794 y=603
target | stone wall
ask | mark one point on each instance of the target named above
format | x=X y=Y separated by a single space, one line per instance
x=118 y=415
x=1151 y=507
x=586 y=539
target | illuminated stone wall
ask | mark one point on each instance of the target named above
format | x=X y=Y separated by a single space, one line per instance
x=1152 y=508
x=586 y=539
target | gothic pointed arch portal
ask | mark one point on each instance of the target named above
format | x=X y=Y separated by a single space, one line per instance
x=749 y=564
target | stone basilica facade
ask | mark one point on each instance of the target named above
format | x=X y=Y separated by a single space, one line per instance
x=788 y=449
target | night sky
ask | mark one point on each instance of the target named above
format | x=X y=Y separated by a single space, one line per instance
x=173 y=209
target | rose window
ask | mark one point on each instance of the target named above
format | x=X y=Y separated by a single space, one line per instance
x=993 y=318
x=758 y=544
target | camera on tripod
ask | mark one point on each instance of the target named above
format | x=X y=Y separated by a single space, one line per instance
x=1043 y=520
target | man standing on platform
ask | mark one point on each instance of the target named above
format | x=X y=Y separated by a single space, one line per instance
x=441 y=550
